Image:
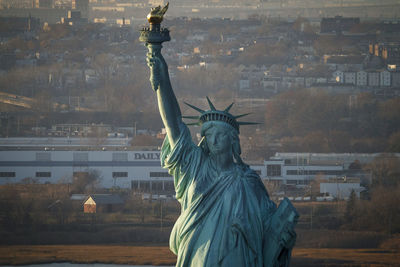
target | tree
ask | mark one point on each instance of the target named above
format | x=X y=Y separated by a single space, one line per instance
x=339 y=141
x=368 y=145
x=304 y=26
x=394 y=143
x=303 y=111
x=204 y=81
x=385 y=170
x=389 y=116
x=261 y=54
x=383 y=210
x=145 y=140
x=277 y=113
x=328 y=123
x=85 y=182
x=350 y=207
x=315 y=142
x=315 y=187
x=364 y=116
x=102 y=65
x=355 y=165
x=43 y=104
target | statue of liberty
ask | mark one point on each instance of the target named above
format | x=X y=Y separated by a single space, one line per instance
x=227 y=218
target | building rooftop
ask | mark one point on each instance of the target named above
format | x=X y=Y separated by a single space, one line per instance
x=64 y=143
x=102 y=199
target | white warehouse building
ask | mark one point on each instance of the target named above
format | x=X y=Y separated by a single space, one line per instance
x=341 y=190
x=58 y=160
x=124 y=169
x=299 y=173
x=131 y=169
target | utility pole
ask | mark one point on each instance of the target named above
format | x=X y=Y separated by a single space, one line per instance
x=135 y=132
x=161 y=208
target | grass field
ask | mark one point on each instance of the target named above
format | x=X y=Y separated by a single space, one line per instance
x=160 y=255
x=16 y=255
x=30 y=234
x=345 y=257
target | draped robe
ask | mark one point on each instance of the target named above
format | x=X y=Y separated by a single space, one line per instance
x=224 y=217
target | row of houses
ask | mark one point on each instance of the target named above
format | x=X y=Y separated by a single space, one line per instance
x=383 y=78
x=274 y=83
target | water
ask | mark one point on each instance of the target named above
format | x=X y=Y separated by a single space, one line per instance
x=66 y=264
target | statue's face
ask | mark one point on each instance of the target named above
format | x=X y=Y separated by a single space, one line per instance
x=218 y=140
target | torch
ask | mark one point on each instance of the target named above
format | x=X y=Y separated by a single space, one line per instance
x=154 y=36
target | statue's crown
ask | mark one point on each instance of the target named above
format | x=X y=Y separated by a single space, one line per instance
x=217 y=115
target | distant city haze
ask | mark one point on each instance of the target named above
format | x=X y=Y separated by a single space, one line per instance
x=134 y=11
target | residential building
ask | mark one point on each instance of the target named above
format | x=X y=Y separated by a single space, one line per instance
x=338 y=24
x=395 y=79
x=309 y=81
x=12 y=25
x=292 y=82
x=49 y=15
x=388 y=51
x=271 y=83
x=244 y=84
x=350 y=78
x=373 y=78
x=385 y=78
x=362 y=78
x=74 y=18
x=338 y=76
x=44 y=3
x=82 y=6
x=321 y=80
x=96 y=203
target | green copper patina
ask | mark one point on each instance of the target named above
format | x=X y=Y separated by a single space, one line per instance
x=227 y=218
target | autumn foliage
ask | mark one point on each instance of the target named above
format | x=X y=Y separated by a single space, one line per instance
x=312 y=120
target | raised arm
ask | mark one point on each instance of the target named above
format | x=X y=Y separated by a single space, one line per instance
x=167 y=103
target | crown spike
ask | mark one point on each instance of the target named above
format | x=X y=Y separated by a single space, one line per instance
x=217 y=115
x=195 y=108
x=247 y=123
x=228 y=107
x=210 y=104
x=241 y=115
x=194 y=123
x=191 y=117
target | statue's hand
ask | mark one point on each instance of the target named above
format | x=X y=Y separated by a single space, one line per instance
x=289 y=238
x=158 y=69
